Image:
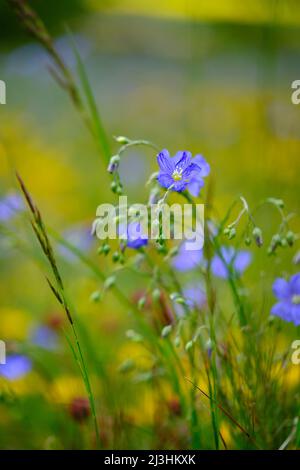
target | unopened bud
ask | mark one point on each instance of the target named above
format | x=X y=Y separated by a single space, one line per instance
x=257 y=235
x=275 y=242
x=232 y=233
x=175 y=297
x=95 y=296
x=154 y=196
x=133 y=336
x=189 y=345
x=277 y=202
x=290 y=237
x=114 y=186
x=109 y=282
x=141 y=303
x=156 y=294
x=119 y=190
x=121 y=139
x=166 y=331
x=113 y=164
x=116 y=257
x=296 y=259
x=283 y=242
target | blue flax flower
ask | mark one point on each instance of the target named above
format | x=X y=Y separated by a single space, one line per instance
x=186 y=259
x=80 y=238
x=17 y=365
x=288 y=295
x=10 y=204
x=195 y=297
x=44 y=337
x=238 y=261
x=182 y=171
x=134 y=237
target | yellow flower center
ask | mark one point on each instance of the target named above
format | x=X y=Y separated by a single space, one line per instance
x=177 y=175
x=296 y=299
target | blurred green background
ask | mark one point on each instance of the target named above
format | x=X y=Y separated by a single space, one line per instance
x=213 y=77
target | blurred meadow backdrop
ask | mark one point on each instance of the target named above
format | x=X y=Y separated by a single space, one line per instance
x=213 y=77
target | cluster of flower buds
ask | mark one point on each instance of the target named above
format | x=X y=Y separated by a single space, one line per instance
x=116 y=187
x=104 y=249
x=230 y=231
x=281 y=240
x=117 y=256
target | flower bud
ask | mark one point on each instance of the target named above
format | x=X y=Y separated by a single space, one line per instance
x=106 y=248
x=283 y=242
x=154 y=196
x=257 y=235
x=141 y=303
x=116 y=257
x=166 y=331
x=176 y=297
x=290 y=237
x=232 y=233
x=189 y=345
x=296 y=259
x=277 y=202
x=95 y=296
x=156 y=295
x=113 y=164
x=121 y=139
x=275 y=242
x=133 y=336
x=119 y=190
x=113 y=186
x=109 y=282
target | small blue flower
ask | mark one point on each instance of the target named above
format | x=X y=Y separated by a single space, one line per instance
x=78 y=236
x=16 y=366
x=133 y=237
x=182 y=171
x=186 y=259
x=44 y=337
x=288 y=294
x=195 y=297
x=11 y=204
x=237 y=260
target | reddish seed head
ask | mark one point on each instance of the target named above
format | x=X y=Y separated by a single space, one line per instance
x=55 y=321
x=80 y=409
x=174 y=406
